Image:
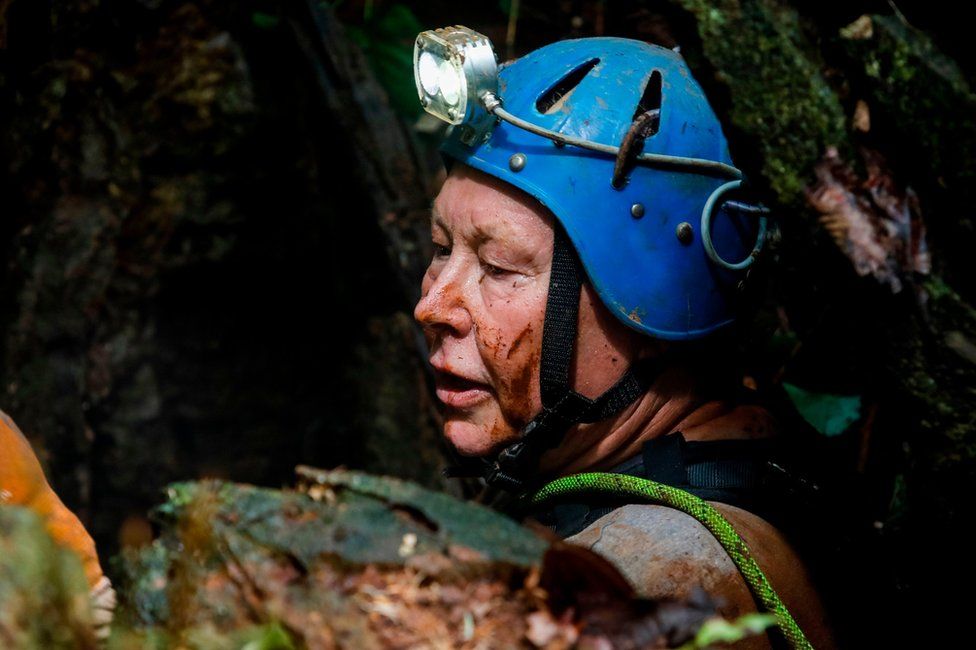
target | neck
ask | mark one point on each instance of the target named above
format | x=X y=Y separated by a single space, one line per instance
x=672 y=403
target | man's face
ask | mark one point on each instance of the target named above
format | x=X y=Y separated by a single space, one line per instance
x=482 y=308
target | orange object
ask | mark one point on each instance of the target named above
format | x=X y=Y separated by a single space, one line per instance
x=22 y=482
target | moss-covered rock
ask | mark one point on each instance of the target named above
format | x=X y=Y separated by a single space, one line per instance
x=921 y=91
x=234 y=557
x=779 y=97
x=360 y=561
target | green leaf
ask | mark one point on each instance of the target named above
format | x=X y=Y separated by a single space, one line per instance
x=387 y=39
x=829 y=414
x=269 y=637
x=719 y=630
x=264 y=21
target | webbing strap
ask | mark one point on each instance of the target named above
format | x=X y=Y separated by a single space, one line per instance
x=739 y=472
x=562 y=314
x=562 y=407
x=559 y=342
x=727 y=464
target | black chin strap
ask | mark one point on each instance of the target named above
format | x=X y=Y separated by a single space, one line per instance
x=562 y=407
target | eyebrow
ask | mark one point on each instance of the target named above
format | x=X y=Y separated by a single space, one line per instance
x=482 y=234
x=436 y=217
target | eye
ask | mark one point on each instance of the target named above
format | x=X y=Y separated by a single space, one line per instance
x=441 y=251
x=492 y=270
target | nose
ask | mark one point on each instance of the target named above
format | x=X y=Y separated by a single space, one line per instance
x=443 y=306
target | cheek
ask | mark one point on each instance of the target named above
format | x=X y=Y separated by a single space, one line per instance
x=512 y=363
x=515 y=366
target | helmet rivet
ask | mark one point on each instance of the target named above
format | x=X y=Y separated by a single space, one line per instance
x=517 y=162
x=637 y=210
x=684 y=232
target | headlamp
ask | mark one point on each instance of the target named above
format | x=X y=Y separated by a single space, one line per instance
x=456 y=72
x=455 y=69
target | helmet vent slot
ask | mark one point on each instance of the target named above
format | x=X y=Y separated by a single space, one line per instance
x=553 y=99
x=650 y=101
x=644 y=124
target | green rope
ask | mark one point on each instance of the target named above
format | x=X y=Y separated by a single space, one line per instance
x=734 y=545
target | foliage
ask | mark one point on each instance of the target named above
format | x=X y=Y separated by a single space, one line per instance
x=829 y=414
x=719 y=630
x=44 y=603
x=387 y=39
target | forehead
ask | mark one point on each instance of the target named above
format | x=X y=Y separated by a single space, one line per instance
x=471 y=200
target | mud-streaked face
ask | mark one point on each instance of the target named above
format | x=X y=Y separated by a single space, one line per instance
x=482 y=307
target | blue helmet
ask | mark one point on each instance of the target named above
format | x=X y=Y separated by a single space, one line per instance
x=618 y=141
x=655 y=255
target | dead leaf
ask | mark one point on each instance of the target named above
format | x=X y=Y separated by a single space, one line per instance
x=874 y=221
x=860 y=30
x=862 y=116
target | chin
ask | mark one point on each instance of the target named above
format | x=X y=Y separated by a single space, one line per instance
x=470 y=439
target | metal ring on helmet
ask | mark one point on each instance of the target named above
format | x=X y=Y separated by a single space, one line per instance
x=706 y=230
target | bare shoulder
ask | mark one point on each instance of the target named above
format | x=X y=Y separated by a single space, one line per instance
x=667 y=553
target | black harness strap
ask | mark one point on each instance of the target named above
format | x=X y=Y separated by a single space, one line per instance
x=729 y=471
x=736 y=472
x=562 y=407
x=562 y=313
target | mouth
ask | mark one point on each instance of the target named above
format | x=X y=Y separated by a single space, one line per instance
x=459 y=392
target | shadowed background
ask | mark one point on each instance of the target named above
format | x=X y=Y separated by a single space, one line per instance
x=214 y=225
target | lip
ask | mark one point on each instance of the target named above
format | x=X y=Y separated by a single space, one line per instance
x=459 y=392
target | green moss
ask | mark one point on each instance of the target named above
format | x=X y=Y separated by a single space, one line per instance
x=779 y=97
x=943 y=297
x=294 y=546
x=923 y=93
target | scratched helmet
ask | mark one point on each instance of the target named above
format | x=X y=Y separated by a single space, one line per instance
x=638 y=228
x=618 y=141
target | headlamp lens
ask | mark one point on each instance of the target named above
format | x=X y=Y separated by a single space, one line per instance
x=450 y=83
x=429 y=73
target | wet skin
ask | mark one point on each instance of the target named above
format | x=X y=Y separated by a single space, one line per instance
x=482 y=308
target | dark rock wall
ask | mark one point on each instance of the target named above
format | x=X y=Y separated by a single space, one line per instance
x=196 y=283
